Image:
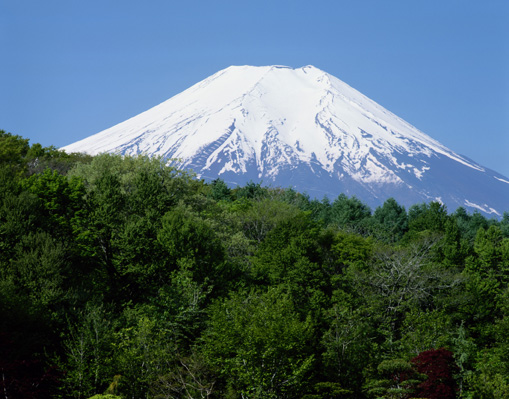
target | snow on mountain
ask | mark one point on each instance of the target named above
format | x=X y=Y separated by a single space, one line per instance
x=306 y=129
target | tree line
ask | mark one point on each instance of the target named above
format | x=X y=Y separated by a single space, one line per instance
x=122 y=277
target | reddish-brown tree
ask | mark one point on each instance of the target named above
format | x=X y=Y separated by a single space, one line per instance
x=439 y=366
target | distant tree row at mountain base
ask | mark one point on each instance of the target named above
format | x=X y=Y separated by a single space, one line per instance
x=121 y=277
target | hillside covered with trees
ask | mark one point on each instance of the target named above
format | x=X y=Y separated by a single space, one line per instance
x=121 y=277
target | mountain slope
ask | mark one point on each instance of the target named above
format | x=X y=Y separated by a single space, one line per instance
x=306 y=129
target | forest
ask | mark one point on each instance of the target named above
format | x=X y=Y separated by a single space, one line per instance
x=122 y=277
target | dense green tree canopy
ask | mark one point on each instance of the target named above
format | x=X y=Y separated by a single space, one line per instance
x=122 y=277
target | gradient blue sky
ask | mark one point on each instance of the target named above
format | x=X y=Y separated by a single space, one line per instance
x=70 y=69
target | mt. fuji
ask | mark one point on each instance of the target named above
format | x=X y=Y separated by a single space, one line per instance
x=305 y=129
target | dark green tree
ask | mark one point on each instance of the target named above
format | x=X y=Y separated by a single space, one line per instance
x=396 y=380
x=219 y=190
x=13 y=150
x=391 y=221
x=184 y=235
x=487 y=276
x=349 y=213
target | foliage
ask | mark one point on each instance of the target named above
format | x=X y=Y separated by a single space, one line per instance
x=396 y=379
x=391 y=221
x=189 y=377
x=123 y=277
x=349 y=213
x=260 y=343
x=439 y=367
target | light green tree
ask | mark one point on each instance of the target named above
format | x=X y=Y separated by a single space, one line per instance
x=260 y=344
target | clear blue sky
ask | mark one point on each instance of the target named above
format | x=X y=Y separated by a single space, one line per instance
x=70 y=69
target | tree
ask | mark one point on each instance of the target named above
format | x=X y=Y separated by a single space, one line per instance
x=19 y=159
x=40 y=270
x=13 y=150
x=62 y=200
x=453 y=249
x=392 y=219
x=126 y=200
x=489 y=376
x=351 y=250
x=349 y=344
x=106 y=219
x=184 y=235
x=349 y=213
x=504 y=224
x=430 y=217
x=424 y=330
x=140 y=179
x=219 y=190
x=469 y=224
x=40 y=158
x=179 y=305
x=290 y=256
x=396 y=380
x=440 y=368
x=250 y=191
x=142 y=352
x=88 y=348
x=189 y=377
x=20 y=214
x=259 y=217
x=320 y=210
x=34 y=292
x=399 y=278
x=487 y=274
x=260 y=344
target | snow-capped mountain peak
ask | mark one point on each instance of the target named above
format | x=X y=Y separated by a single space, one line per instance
x=301 y=127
